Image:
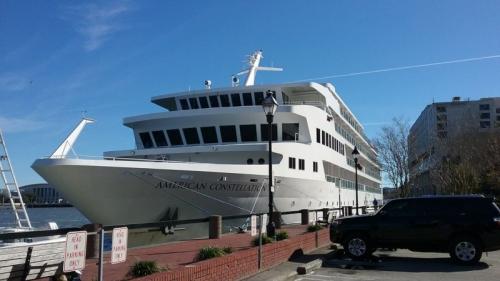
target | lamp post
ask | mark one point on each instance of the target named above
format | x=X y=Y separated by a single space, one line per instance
x=269 y=104
x=357 y=166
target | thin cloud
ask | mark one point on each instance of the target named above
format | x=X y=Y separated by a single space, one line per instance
x=96 y=23
x=18 y=125
x=13 y=83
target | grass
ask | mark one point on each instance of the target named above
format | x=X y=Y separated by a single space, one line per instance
x=314 y=227
x=282 y=235
x=144 y=268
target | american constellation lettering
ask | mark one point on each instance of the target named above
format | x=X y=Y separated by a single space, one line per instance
x=211 y=186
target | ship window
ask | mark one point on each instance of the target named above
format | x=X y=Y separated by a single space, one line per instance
x=264 y=132
x=235 y=99
x=318 y=135
x=249 y=161
x=203 y=102
x=147 y=142
x=228 y=133
x=247 y=99
x=160 y=139
x=290 y=131
x=191 y=135
x=322 y=137
x=184 y=104
x=302 y=164
x=194 y=103
x=214 y=102
x=174 y=136
x=224 y=101
x=248 y=132
x=259 y=97
x=209 y=134
x=261 y=161
x=315 y=166
x=291 y=162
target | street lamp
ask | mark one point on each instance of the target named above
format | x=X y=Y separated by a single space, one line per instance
x=269 y=104
x=357 y=166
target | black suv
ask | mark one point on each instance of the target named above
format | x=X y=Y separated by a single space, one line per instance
x=464 y=226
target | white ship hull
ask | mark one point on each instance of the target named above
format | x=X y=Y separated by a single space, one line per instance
x=127 y=192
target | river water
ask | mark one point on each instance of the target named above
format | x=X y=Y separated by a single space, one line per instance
x=40 y=217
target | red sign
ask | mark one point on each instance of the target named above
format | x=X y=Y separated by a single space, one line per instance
x=75 y=251
x=119 y=245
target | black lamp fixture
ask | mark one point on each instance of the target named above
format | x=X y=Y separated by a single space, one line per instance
x=269 y=104
x=355 y=154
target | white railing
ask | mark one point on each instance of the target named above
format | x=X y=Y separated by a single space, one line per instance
x=318 y=104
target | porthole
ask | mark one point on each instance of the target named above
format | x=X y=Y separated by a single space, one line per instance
x=261 y=161
x=249 y=161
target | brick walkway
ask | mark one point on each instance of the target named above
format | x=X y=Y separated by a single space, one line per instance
x=173 y=255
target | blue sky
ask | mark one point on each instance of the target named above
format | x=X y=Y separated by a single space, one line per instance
x=59 y=58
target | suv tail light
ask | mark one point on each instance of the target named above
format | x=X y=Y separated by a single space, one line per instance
x=497 y=221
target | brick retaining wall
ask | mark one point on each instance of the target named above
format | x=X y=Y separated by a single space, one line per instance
x=244 y=263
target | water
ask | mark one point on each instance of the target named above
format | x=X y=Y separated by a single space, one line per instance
x=40 y=217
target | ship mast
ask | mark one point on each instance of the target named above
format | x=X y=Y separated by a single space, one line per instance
x=253 y=63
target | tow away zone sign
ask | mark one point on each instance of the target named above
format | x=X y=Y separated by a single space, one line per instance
x=119 y=245
x=75 y=251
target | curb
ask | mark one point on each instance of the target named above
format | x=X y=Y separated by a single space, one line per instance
x=308 y=267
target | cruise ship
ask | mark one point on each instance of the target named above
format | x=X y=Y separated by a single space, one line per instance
x=207 y=153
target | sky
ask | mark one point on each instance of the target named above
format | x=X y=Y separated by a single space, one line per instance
x=60 y=60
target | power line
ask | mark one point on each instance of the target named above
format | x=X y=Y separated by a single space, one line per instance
x=399 y=68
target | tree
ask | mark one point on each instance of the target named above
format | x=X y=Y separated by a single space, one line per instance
x=392 y=147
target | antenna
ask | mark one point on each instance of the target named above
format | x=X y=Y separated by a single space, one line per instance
x=253 y=62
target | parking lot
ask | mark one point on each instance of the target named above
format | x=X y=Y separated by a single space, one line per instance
x=407 y=265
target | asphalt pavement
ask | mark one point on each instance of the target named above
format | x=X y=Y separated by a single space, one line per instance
x=405 y=265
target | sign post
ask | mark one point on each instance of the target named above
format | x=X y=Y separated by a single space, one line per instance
x=119 y=245
x=264 y=223
x=253 y=225
x=75 y=251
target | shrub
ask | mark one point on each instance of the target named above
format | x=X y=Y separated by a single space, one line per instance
x=265 y=240
x=143 y=268
x=314 y=227
x=282 y=235
x=210 y=252
x=227 y=250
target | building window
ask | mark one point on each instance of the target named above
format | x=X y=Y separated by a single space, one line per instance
x=209 y=135
x=441 y=126
x=291 y=162
x=247 y=99
x=485 y=115
x=203 y=102
x=441 y=109
x=442 y=117
x=248 y=132
x=498 y=109
x=498 y=117
x=214 y=101
x=191 y=136
x=322 y=137
x=484 y=107
x=228 y=133
x=315 y=166
x=160 y=138
x=484 y=124
x=259 y=97
x=290 y=131
x=194 y=103
x=302 y=164
x=184 y=104
x=146 y=140
x=224 y=101
x=442 y=135
x=318 y=135
x=264 y=132
x=235 y=99
x=174 y=136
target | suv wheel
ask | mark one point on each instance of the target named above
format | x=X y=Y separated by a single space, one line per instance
x=465 y=250
x=357 y=247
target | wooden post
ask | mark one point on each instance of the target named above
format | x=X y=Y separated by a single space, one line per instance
x=304 y=213
x=277 y=219
x=214 y=227
x=92 y=240
x=325 y=214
